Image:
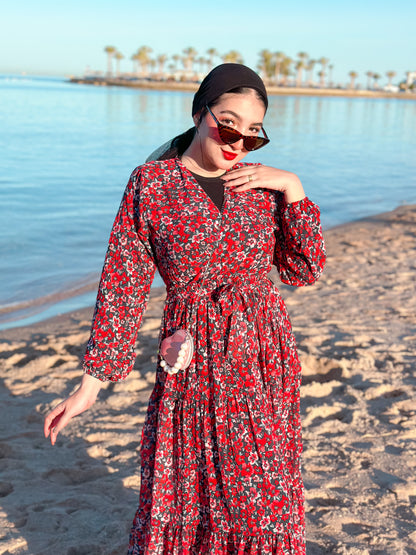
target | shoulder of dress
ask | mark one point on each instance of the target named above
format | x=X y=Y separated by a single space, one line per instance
x=160 y=165
x=148 y=182
x=151 y=173
x=153 y=168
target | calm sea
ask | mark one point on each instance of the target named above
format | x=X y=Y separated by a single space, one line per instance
x=66 y=152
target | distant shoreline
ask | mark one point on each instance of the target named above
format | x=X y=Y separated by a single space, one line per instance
x=187 y=86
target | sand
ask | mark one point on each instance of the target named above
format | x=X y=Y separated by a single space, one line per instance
x=356 y=332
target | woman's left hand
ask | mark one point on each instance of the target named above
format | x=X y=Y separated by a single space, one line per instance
x=265 y=177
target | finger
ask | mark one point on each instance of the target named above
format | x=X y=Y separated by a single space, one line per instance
x=51 y=417
x=62 y=421
x=245 y=187
x=244 y=180
x=234 y=174
x=236 y=182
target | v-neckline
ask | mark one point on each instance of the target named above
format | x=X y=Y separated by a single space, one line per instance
x=198 y=187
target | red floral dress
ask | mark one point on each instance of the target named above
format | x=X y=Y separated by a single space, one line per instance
x=221 y=446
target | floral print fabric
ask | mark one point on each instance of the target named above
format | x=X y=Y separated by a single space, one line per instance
x=221 y=445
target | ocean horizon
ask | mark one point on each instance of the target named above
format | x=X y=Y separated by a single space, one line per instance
x=68 y=151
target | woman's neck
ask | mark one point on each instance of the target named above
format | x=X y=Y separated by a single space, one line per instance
x=193 y=159
x=195 y=168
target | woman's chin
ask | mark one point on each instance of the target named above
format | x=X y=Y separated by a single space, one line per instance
x=227 y=162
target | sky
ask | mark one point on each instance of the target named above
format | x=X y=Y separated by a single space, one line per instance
x=47 y=37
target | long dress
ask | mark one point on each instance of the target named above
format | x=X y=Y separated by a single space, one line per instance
x=221 y=445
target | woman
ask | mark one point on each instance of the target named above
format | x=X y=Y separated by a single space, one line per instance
x=221 y=444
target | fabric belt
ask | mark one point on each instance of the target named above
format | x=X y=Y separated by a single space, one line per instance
x=233 y=305
x=216 y=291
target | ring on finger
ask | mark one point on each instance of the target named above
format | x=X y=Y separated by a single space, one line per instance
x=250 y=178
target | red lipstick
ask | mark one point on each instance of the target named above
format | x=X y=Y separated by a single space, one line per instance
x=229 y=155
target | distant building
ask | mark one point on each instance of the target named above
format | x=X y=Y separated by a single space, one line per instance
x=411 y=78
x=391 y=88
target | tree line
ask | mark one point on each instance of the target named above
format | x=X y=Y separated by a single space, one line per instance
x=276 y=68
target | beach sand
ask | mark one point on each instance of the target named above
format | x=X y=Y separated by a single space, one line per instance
x=356 y=333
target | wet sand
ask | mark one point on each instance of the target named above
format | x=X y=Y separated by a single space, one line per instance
x=356 y=334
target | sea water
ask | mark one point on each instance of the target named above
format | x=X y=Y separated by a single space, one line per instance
x=67 y=150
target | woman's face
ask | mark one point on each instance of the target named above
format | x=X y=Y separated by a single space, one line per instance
x=244 y=112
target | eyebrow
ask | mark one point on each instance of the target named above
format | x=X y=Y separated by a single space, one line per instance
x=238 y=117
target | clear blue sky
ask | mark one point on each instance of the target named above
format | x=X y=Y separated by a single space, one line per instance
x=52 y=37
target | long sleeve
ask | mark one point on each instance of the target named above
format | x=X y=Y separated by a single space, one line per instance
x=299 y=251
x=125 y=282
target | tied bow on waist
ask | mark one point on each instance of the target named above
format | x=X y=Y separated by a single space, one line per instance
x=235 y=307
x=232 y=309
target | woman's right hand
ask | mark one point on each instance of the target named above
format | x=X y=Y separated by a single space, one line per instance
x=83 y=398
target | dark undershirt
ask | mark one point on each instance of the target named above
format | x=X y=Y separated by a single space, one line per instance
x=213 y=187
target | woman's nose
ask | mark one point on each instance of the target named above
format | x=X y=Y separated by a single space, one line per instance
x=238 y=145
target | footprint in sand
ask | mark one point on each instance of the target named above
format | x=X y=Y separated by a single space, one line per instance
x=357 y=528
x=6 y=488
x=319 y=369
x=72 y=476
x=6 y=452
x=316 y=416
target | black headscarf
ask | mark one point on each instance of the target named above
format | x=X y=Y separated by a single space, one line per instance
x=225 y=78
x=222 y=79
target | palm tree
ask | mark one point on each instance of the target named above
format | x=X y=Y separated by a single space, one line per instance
x=161 y=60
x=285 y=69
x=369 y=76
x=309 y=69
x=176 y=59
x=376 y=77
x=324 y=63
x=110 y=51
x=300 y=65
x=278 y=58
x=189 y=57
x=212 y=53
x=201 y=61
x=143 y=58
x=171 y=68
x=266 y=64
x=330 y=67
x=118 y=56
x=303 y=56
x=135 y=61
x=233 y=57
x=390 y=75
x=353 y=75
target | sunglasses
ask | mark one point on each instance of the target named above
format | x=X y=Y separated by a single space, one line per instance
x=229 y=135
